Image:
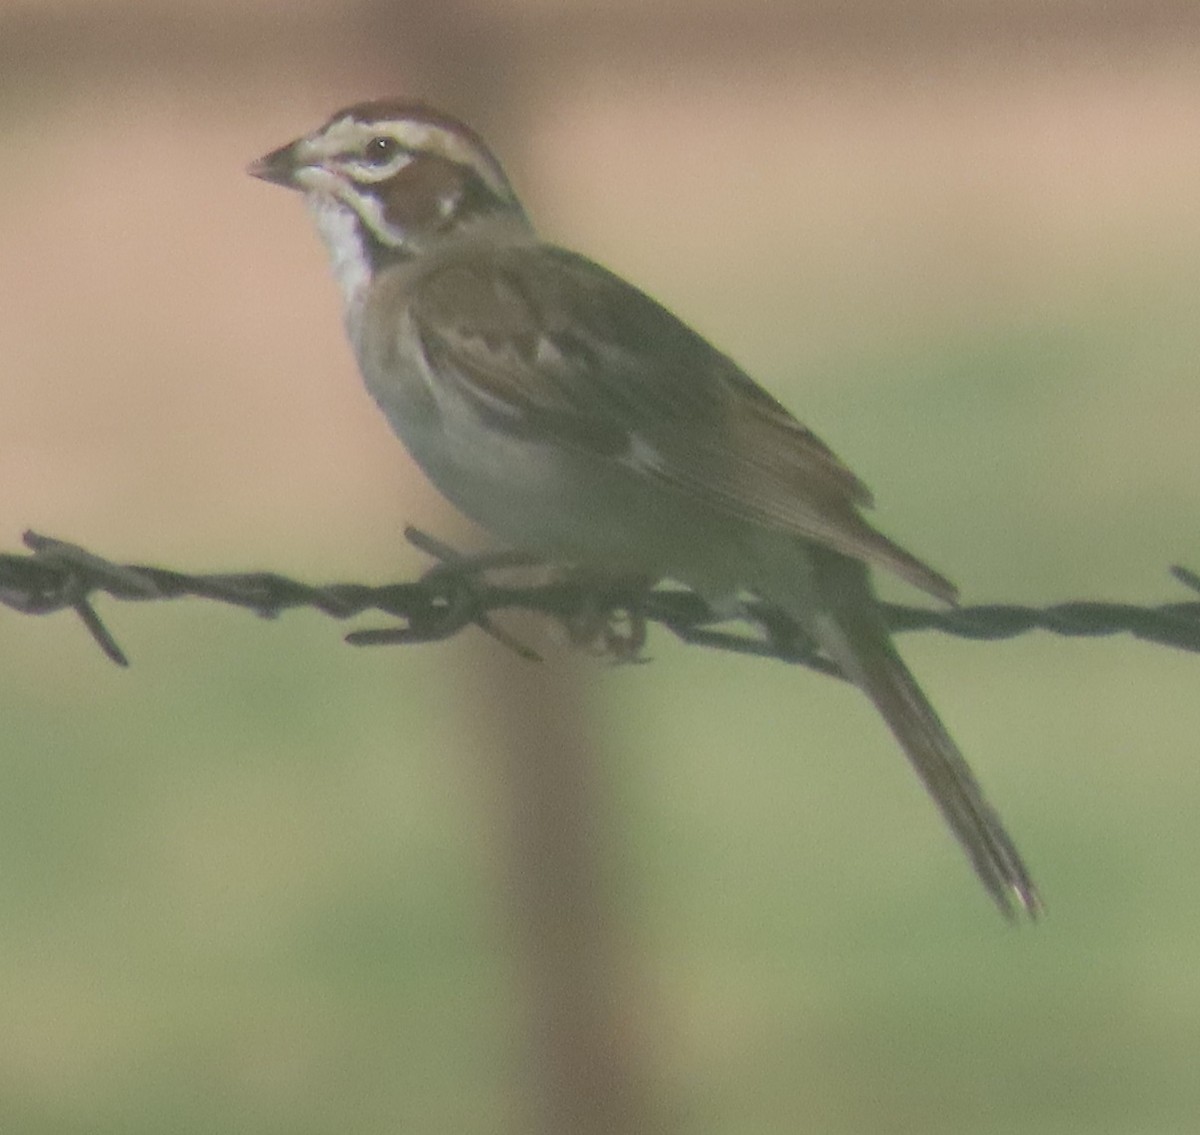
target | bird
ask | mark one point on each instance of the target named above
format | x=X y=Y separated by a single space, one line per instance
x=576 y=418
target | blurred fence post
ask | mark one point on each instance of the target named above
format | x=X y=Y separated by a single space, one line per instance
x=590 y=1065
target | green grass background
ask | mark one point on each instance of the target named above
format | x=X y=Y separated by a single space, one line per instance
x=244 y=884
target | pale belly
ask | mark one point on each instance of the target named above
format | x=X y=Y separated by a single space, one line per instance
x=568 y=504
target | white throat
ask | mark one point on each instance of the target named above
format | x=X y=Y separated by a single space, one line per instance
x=340 y=230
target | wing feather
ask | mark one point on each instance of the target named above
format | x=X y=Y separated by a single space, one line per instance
x=541 y=341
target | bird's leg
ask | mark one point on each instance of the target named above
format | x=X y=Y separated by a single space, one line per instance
x=608 y=619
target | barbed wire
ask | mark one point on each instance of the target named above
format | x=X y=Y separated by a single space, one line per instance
x=460 y=591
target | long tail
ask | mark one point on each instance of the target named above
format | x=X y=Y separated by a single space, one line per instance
x=844 y=617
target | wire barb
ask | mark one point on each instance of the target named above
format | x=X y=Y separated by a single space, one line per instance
x=456 y=599
x=459 y=591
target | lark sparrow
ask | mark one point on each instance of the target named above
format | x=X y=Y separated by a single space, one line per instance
x=573 y=416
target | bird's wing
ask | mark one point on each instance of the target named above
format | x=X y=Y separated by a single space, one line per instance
x=544 y=343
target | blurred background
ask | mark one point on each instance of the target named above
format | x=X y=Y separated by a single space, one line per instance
x=261 y=881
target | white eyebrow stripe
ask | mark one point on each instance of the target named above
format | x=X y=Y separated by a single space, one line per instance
x=348 y=134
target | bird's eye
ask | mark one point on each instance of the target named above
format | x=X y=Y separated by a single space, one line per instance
x=381 y=149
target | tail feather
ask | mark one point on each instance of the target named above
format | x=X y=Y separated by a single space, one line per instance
x=843 y=616
x=867 y=657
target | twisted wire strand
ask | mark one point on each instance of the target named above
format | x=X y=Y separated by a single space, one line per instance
x=54 y=575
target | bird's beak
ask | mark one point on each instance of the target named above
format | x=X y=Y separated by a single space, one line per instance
x=279 y=166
